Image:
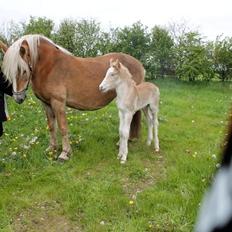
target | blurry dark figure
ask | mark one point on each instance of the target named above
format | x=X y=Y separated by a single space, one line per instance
x=216 y=210
x=5 y=88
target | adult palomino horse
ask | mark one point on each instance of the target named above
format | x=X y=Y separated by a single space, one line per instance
x=130 y=98
x=58 y=79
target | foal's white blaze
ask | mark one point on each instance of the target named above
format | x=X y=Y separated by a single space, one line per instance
x=109 y=80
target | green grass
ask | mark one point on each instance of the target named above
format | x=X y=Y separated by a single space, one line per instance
x=92 y=191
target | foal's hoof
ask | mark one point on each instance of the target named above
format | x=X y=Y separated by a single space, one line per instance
x=122 y=161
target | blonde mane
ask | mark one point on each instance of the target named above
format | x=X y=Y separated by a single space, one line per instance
x=13 y=62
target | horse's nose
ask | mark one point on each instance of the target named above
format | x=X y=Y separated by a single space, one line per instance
x=19 y=99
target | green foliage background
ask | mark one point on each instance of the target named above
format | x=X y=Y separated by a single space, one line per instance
x=173 y=51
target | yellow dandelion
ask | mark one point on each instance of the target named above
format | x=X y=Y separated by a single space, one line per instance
x=131 y=202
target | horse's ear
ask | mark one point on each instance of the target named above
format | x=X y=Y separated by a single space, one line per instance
x=3 y=47
x=22 y=51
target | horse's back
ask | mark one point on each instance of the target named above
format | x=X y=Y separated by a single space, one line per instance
x=78 y=79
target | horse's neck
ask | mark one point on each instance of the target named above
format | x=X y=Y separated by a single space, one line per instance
x=125 y=89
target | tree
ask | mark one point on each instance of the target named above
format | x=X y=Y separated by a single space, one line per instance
x=192 y=59
x=39 y=25
x=82 y=38
x=12 y=31
x=107 y=42
x=222 y=57
x=160 y=55
x=133 y=40
x=65 y=36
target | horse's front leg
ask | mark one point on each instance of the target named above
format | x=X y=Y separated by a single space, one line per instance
x=124 y=130
x=51 y=127
x=59 y=109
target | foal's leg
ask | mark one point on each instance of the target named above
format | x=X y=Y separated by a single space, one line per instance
x=149 y=125
x=124 y=130
x=51 y=126
x=59 y=109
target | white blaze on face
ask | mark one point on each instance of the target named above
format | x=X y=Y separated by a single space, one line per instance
x=108 y=82
x=14 y=85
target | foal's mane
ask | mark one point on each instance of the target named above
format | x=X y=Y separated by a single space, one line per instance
x=13 y=61
x=124 y=71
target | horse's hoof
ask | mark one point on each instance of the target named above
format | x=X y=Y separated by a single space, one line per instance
x=63 y=156
x=51 y=148
x=157 y=150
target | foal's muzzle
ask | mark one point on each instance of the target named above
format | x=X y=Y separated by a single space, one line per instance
x=102 y=89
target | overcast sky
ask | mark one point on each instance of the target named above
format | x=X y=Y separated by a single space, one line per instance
x=210 y=17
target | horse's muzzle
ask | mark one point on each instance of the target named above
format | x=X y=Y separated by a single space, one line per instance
x=19 y=98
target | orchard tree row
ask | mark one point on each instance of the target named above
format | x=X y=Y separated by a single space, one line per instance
x=174 y=51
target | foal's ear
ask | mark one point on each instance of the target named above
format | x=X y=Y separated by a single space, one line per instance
x=111 y=61
x=117 y=64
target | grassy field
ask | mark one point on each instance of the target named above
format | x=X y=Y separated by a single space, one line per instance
x=93 y=192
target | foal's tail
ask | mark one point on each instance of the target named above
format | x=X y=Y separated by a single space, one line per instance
x=135 y=125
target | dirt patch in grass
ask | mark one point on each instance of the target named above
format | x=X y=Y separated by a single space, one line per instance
x=140 y=180
x=44 y=217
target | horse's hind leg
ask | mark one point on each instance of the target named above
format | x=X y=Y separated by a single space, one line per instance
x=51 y=126
x=135 y=126
x=149 y=124
x=59 y=109
x=155 y=127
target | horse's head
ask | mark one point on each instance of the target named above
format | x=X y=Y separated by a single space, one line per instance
x=112 y=77
x=17 y=68
x=23 y=75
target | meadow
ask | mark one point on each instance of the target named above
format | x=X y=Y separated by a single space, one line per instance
x=92 y=191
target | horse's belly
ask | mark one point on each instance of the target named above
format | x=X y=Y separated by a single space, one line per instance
x=89 y=101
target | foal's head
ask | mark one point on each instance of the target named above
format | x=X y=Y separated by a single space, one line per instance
x=115 y=75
